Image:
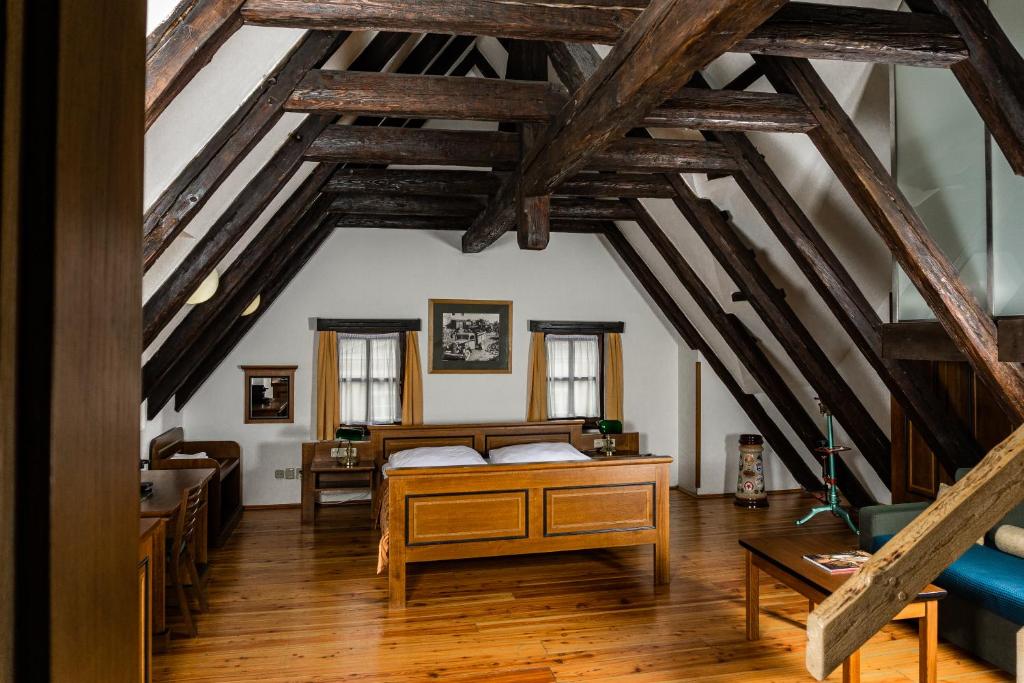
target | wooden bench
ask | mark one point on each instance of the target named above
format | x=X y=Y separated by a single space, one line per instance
x=225 y=458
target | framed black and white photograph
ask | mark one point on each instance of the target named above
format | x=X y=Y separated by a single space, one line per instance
x=470 y=336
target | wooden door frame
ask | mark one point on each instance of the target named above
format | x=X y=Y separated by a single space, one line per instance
x=70 y=328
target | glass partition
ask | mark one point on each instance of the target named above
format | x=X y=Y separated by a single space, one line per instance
x=960 y=183
x=940 y=166
x=1007 y=197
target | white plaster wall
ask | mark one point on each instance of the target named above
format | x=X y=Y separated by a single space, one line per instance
x=377 y=273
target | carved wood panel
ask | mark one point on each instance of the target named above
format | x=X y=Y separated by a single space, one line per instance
x=916 y=472
x=598 y=509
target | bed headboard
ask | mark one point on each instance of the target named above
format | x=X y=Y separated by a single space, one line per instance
x=483 y=437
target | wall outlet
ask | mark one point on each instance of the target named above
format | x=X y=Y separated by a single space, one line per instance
x=278 y=474
x=289 y=473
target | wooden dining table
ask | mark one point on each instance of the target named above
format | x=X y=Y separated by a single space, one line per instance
x=164 y=502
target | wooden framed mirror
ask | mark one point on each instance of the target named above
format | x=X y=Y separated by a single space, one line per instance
x=269 y=394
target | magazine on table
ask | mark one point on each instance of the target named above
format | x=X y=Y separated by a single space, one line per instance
x=846 y=562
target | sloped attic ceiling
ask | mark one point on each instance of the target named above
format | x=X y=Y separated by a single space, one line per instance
x=265 y=190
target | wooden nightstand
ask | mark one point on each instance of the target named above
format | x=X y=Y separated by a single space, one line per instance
x=627 y=443
x=321 y=473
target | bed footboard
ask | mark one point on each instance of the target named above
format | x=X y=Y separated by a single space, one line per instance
x=463 y=512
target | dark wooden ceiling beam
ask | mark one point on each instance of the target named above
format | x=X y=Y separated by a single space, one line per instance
x=361 y=144
x=446 y=223
x=438 y=97
x=747 y=349
x=450 y=182
x=661 y=50
x=877 y=194
x=247 y=206
x=182 y=45
x=800 y=29
x=243 y=211
x=481 y=99
x=927 y=340
x=812 y=362
x=747 y=402
x=993 y=76
x=574 y=208
x=188 y=193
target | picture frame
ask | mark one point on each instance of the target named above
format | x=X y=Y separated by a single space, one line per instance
x=269 y=394
x=470 y=336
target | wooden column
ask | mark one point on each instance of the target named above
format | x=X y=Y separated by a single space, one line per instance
x=814 y=365
x=656 y=56
x=878 y=196
x=182 y=45
x=528 y=60
x=70 y=290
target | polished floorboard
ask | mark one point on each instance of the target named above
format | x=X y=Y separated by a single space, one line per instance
x=289 y=603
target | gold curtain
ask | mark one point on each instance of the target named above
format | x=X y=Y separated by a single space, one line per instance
x=328 y=408
x=537 y=380
x=613 y=376
x=412 y=382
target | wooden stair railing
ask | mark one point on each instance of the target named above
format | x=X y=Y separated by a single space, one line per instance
x=915 y=556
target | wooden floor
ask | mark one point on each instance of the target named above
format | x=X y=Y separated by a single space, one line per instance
x=291 y=604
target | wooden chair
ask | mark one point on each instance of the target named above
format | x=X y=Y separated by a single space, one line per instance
x=181 y=561
x=225 y=493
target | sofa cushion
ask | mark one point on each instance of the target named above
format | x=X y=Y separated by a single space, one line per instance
x=985 y=576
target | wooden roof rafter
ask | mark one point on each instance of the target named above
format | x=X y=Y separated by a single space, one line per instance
x=803 y=29
x=942 y=430
x=249 y=204
x=188 y=193
x=217 y=329
x=183 y=44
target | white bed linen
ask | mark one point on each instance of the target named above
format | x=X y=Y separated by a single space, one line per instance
x=433 y=456
x=189 y=456
x=535 y=452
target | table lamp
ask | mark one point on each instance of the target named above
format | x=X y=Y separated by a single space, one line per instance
x=348 y=435
x=607 y=428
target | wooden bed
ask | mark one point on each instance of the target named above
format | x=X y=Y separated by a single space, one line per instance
x=446 y=513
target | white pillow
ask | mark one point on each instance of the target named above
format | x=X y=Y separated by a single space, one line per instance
x=436 y=456
x=1010 y=540
x=189 y=456
x=535 y=452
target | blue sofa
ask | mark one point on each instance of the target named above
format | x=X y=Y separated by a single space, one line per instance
x=985 y=607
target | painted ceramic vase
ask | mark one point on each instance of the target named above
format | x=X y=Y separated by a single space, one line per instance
x=750 y=487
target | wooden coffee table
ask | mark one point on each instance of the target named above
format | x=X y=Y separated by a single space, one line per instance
x=782 y=558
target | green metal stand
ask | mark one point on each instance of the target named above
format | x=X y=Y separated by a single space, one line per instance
x=832 y=491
